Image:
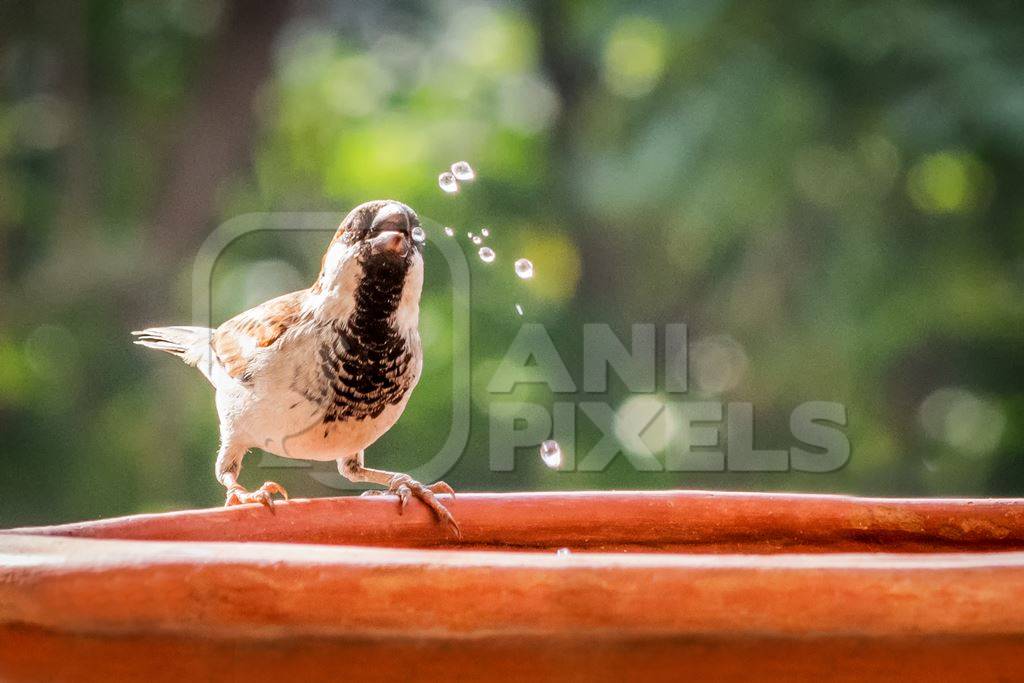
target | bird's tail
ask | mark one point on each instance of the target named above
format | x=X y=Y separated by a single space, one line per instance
x=191 y=344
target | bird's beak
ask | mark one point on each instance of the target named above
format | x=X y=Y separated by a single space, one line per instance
x=391 y=217
x=390 y=242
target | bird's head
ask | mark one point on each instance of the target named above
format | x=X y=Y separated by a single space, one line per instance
x=375 y=257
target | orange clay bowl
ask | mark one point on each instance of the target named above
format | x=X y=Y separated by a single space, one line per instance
x=657 y=586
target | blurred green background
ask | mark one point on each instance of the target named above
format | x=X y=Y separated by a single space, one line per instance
x=828 y=193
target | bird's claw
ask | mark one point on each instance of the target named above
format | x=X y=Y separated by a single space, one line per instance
x=438 y=487
x=405 y=487
x=442 y=487
x=264 y=495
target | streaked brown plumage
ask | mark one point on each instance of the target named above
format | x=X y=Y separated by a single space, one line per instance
x=321 y=373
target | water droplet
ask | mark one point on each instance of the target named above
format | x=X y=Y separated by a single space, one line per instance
x=519 y=309
x=447 y=182
x=477 y=239
x=486 y=254
x=462 y=170
x=551 y=453
x=563 y=551
x=418 y=235
x=469 y=235
x=524 y=268
x=485 y=232
x=448 y=231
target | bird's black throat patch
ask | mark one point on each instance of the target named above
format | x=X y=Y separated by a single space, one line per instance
x=365 y=365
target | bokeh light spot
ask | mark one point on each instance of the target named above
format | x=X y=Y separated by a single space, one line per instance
x=719 y=363
x=946 y=182
x=643 y=423
x=965 y=421
x=556 y=264
x=634 y=57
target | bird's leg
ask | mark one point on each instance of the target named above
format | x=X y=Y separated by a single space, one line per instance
x=402 y=485
x=229 y=465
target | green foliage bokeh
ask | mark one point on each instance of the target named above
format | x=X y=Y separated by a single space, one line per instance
x=833 y=187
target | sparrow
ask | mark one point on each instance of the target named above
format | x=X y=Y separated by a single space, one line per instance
x=321 y=373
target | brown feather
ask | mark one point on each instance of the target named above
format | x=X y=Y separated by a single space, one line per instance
x=235 y=341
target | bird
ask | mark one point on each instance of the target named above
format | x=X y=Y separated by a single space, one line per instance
x=322 y=373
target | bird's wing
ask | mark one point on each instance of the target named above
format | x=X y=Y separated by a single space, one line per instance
x=237 y=341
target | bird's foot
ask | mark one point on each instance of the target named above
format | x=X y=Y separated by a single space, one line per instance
x=405 y=487
x=237 y=495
